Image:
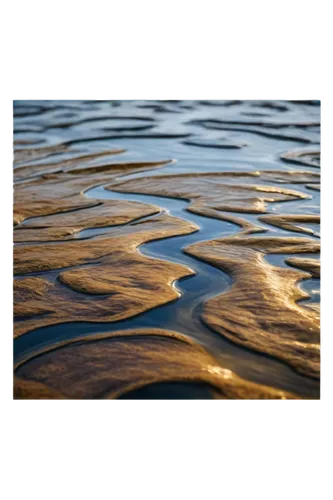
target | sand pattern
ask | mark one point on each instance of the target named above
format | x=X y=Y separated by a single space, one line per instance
x=252 y=314
x=166 y=248
x=110 y=366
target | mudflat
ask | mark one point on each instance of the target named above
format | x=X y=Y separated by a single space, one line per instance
x=166 y=249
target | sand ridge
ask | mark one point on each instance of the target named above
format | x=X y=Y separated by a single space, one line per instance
x=34 y=170
x=260 y=310
x=122 y=281
x=309 y=265
x=292 y=222
x=63 y=191
x=113 y=365
x=309 y=158
x=224 y=195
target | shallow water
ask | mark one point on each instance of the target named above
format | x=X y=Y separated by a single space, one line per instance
x=201 y=137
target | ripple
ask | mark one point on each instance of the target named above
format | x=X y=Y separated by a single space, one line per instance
x=306 y=157
x=101 y=119
x=135 y=136
x=37 y=153
x=271 y=105
x=218 y=125
x=133 y=128
x=310 y=265
x=219 y=144
x=294 y=223
x=26 y=110
x=27 y=171
x=312 y=102
x=254 y=113
x=25 y=142
x=220 y=103
x=261 y=123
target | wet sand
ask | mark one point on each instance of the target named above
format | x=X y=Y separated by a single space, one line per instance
x=212 y=237
x=100 y=279
x=81 y=368
x=260 y=311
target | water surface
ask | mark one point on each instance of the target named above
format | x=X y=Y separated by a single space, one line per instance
x=200 y=137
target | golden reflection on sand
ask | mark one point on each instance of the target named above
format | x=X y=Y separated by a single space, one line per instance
x=113 y=365
x=64 y=276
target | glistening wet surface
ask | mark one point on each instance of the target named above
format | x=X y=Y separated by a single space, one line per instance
x=229 y=170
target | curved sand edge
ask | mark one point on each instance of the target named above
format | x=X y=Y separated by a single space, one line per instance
x=312 y=266
x=286 y=222
x=260 y=311
x=125 y=282
x=113 y=365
